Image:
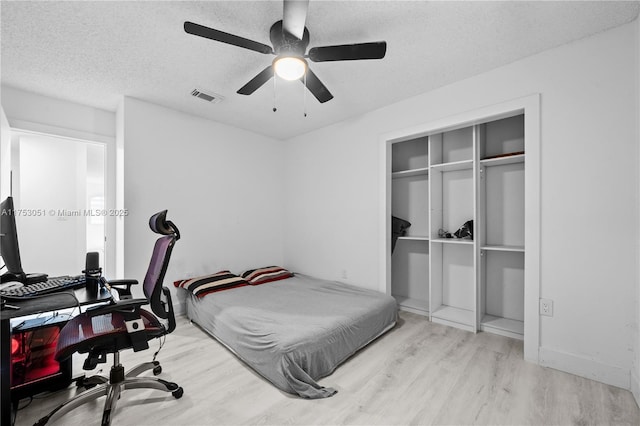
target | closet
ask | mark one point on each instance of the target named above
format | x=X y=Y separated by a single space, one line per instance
x=439 y=182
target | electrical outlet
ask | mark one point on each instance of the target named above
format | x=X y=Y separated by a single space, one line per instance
x=546 y=307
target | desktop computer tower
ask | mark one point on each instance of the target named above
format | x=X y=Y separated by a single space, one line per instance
x=33 y=367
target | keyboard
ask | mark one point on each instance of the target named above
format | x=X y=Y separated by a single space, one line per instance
x=52 y=285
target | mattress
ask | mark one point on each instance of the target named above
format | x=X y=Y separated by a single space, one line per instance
x=297 y=330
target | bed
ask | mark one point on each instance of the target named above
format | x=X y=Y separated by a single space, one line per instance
x=294 y=331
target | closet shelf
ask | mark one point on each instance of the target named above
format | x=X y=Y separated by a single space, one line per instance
x=452 y=241
x=499 y=161
x=518 y=249
x=413 y=303
x=412 y=172
x=456 y=165
x=414 y=238
x=453 y=314
x=503 y=326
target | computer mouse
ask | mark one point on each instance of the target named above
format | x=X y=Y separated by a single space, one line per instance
x=11 y=285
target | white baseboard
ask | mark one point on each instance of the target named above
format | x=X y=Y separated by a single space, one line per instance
x=584 y=367
x=635 y=386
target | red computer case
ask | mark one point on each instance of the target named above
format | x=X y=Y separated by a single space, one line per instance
x=33 y=367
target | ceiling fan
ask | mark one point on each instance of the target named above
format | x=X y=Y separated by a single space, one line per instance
x=290 y=39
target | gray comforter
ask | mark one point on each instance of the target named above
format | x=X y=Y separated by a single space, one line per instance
x=297 y=330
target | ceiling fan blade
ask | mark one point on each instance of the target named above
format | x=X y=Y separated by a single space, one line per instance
x=349 y=52
x=295 y=16
x=257 y=81
x=316 y=87
x=210 y=33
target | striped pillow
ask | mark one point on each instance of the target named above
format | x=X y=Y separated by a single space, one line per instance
x=266 y=274
x=201 y=286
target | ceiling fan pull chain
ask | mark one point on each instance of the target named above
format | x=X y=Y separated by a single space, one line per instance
x=304 y=106
x=275 y=77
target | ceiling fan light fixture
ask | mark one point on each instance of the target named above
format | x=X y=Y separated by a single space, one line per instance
x=290 y=67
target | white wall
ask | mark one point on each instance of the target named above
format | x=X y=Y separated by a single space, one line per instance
x=589 y=158
x=223 y=188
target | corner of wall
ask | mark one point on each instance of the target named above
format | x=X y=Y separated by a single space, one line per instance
x=5 y=155
x=635 y=365
x=119 y=190
x=635 y=386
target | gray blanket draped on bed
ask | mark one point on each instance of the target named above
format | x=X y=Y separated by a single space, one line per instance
x=295 y=331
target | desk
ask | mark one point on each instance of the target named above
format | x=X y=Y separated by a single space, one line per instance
x=49 y=303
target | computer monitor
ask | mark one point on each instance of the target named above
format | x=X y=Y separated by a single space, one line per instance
x=9 y=249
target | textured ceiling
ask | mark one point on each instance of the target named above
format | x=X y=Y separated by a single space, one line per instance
x=94 y=52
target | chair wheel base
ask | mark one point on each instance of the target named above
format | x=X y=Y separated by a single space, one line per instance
x=106 y=418
x=43 y=421
x=90 y=382
x=177 y=394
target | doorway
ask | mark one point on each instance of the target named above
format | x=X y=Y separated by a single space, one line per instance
x=59 y=187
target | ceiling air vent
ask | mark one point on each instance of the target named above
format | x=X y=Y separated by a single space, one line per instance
x=214 y=98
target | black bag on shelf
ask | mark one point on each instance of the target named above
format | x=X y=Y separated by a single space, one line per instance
x=465 y=231
x=398 y=229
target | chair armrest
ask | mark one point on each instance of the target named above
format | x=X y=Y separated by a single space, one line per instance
x=128 y=283
x=126 y=305
x=125 y=293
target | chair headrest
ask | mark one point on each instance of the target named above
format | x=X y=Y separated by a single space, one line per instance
x=160 y=225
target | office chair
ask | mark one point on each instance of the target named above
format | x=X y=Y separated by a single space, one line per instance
x=120 y=325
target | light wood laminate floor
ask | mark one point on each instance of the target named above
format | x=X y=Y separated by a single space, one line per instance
x=418 y=373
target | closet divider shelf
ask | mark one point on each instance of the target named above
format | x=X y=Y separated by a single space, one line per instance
x=518 y=249
x=413 y=304
x=409 y=173
x=452 y=241
x=500 y=161
x=503 y=326
x=462 y=318
x=455 y=165
x=414 y=238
